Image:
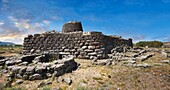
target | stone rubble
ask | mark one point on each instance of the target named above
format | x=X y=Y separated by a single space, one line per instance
x=128 y=57
x=23 y=67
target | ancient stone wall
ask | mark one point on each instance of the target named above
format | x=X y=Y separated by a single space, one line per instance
x=88 y=45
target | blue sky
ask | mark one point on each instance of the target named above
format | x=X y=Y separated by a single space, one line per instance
x=136 y=19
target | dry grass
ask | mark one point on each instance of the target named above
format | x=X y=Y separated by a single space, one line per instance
x=95 y=77
x=9 y=51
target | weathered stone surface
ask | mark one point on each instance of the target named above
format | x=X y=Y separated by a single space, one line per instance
x=68 y=80
x=30 y=70
x=28 y=58
x=144 y=65
x=8 y=84
x=75 y=43
x=93 y=54
x=60 y=79
x=19 y=81
x=35 y=77
x=2 y=61
x=2 y=57
x=164 y=55
x=22 y=70
x=10 y=62
x=129 y=62
x=166 y=61
x=40 y=69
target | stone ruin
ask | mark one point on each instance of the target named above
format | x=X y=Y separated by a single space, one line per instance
x=52 y=54
x=73 y=41
x=38 y=66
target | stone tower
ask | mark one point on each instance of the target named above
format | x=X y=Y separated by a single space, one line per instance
x=72 y=27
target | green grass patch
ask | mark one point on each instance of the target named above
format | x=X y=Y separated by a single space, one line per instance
x=97 y=78
x=47 y=87
x=81 y=88
x=84 y=81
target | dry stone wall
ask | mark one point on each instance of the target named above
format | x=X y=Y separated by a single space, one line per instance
x=88 y=45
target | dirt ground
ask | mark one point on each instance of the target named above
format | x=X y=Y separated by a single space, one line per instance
x=116 y=77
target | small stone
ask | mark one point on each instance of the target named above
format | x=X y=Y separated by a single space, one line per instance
x=144 y=65
x=10 y=62
x=56 y=88
x=41 y=84
x=68 y=80
x=49 y=75
x=48 y=83
x=4 y=71
x=24 y=63
x=25 y=77
x=93 y=54
x=35 y=77
x=22 y=70
x=60 y=79
x=91 y=47
x=30 y=70
x=18 y=76
x=19 y=81
x=84 y=47
x=166 y=61
x=8 y=84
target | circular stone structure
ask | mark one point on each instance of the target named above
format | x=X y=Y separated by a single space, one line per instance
x=72 y=27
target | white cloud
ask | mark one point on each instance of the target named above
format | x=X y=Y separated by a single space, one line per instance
x=15 y=30
x=46 y=22
x=137 y=38
x=1 y=22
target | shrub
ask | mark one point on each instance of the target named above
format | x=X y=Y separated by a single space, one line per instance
x=155 y=44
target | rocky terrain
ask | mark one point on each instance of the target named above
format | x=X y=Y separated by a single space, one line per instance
x=126 y=68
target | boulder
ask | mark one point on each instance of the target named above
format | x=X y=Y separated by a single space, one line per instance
x=28 y=58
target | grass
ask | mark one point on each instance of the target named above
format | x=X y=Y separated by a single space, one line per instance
x=47 y=87
x=14 y=88
x=81 y=88
x=84 y=81
x=100 y=77
x=7 y=50
x=97 y=78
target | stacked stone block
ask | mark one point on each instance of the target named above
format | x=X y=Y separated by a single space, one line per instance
x=87 y=45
